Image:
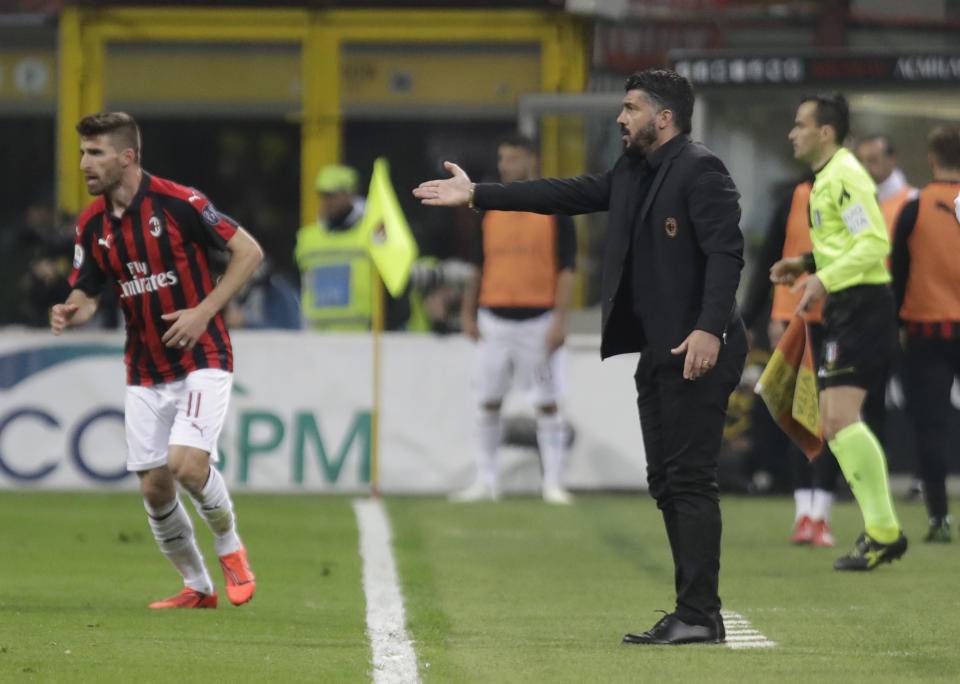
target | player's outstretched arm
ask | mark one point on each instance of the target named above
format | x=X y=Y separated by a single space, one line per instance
x=449 y=192
x=77 y=310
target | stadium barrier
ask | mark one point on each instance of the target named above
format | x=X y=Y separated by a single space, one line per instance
x=300 y=415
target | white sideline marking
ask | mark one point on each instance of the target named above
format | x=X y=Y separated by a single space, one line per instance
x=743 y=635
x=394 y=660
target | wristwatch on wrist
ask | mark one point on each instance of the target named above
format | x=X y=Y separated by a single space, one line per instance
x=473 y=187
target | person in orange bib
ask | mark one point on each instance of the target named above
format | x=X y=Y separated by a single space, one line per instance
x=813 y=483
x=926 y=281
x=878 y=157
x=514 y=307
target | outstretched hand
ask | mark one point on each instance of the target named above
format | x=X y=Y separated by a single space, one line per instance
x=449 y=192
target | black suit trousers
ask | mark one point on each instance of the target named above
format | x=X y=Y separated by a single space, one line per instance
x=682 y=422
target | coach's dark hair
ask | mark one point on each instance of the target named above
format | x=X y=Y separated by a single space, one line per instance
x=120 y=126
x=666 y=89
x=832 y=110
x=524 y=142
x=944 y=143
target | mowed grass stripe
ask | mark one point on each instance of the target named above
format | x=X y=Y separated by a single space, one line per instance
x=517 y=591
x=78 y=571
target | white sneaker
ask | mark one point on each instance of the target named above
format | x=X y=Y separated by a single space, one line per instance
x=557 y=495
x=475 y=492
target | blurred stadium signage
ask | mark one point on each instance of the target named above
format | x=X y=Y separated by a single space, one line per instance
x=723 y=69
x=300 y=418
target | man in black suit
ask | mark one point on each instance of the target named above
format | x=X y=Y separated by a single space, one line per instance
x=672 y=263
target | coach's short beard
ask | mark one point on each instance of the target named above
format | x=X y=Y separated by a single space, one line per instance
x=641 y=142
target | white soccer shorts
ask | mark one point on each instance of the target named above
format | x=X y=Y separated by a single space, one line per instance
x=188 y=412
x=516 y=351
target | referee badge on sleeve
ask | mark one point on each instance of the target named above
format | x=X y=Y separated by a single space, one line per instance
x=670 y=226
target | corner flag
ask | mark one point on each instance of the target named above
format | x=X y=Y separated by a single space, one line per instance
x=390 y=242
x=788 y=386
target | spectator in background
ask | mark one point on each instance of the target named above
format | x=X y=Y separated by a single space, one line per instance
x=337 y=275
x=436 y=294
x=523 y=282
x=926 y=279
x=876 y=154
x=45 y=249
x=266 y=301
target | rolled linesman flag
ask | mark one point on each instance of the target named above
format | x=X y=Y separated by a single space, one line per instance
x=788 y=386
x=390 y=242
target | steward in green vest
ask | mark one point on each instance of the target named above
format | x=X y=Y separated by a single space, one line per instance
x=336 y=272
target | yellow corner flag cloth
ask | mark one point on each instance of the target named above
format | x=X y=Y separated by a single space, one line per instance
x=390 y=242
x=788 y=386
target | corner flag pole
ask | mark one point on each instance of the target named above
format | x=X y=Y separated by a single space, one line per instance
x=378 y=324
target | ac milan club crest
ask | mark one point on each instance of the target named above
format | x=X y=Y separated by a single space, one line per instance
x=670 y=226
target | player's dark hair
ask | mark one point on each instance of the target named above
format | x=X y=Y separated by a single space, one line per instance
x=123 y=130
x=832 y=110
x=887 y=145
x=944 y=144
x=666 y=89
x=521 y=141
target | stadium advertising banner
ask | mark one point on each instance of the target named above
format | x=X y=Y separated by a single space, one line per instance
x=722 y=68
x=301 y=414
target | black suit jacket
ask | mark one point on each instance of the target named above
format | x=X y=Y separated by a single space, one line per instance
x=687 y=248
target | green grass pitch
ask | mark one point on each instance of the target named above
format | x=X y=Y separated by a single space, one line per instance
x=516 y=591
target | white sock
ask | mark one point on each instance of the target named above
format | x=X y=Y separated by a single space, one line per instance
x=216 y=507
x=822 y=501
x=551 y=438
x=488 y=429
x=803 y=498
x=173 y=530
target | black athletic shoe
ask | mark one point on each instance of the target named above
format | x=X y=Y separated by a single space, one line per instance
x=868 y=553
x=939 y=531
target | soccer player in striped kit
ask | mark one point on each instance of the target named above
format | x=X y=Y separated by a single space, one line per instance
x=148 y=238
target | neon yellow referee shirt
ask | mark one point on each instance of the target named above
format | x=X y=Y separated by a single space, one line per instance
x=849 y=235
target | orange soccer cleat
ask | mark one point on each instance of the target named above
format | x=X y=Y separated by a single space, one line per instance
x=802 y=531
x=822 y=535
x=188 y=598
x=241 y=582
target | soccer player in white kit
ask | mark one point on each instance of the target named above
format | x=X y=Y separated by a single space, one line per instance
x=148 y=238
x=523 y=285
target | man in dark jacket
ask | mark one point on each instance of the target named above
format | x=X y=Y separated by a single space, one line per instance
x=672 y=263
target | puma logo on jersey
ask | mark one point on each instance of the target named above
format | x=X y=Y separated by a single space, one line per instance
x=199 y=429
x=105 y=243
x=194 y=197
x=155 y=226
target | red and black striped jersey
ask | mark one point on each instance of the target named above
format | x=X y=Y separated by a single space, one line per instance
x=155 y=256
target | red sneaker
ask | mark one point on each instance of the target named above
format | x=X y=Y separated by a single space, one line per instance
x=239 y=577
x=188 y=598
x=822 y=535
x=802 y=531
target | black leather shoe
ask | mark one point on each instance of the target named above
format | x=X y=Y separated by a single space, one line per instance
x=672 y=630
